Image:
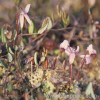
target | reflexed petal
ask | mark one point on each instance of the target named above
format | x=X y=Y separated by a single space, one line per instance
x=67 y=52
x=64 y=44
x=28 y=19
x=27 y=8
x=90 y=47
x=91 y=50
x=71 y=58
x=21 y=19
x=88 y=60
x=77 y=50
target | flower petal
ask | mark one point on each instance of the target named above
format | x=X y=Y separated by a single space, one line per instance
x=21 y=20
x=28 y=19
x=77 y=50
x=71 y=58
x=88 y=60
x=91 y=50
x=64 y=44
x=27 y=8
x=67 y=52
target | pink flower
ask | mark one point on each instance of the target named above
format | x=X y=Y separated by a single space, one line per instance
x=7 y=34
x=64 y=45
x=87 y=58
x=70 y=49
x=71 y=57
x=71 y=53
x=91 y=50
x=24 y=14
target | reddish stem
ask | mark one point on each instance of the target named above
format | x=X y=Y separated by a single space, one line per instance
x=27 y=34
x=80 y=68
x=44 y=33
x=17 y=23
x=71 y=71
x=4 y=43
x=12 y=33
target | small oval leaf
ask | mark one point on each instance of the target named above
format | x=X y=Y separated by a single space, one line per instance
x=15 y=34
x=3 y=37
x=10 y=58
x=10 y=87
x=42 y=29
x=31 y=28
x=10 y=50
x=16 y=48
x=35 y=58
x=46 y=25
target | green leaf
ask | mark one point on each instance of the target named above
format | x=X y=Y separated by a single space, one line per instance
x=15 y=34
x=3 y=63
x=10 y=58
x=31 y=28
x=10 y=51
x=49 y=23
x=21 y=43
x=42 y=59
x=7 y=47
x=35 y=31
x=3 y=37
x=16 y=48
x=35 y=58
x=67 y=21
x=89 y=90
x=10 y=87
x=42 y=29
x=46 y=25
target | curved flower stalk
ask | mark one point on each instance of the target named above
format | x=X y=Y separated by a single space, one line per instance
x=87 y=59
x=24 y=14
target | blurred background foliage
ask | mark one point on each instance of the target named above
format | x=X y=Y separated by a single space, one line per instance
x=43 y=8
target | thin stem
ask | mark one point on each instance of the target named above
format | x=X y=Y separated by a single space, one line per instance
x=27 y=34
x=71 y=71
x=80 y=68
x=31 y=72
x=38 y=37
x=17 y=23
x=4 y=43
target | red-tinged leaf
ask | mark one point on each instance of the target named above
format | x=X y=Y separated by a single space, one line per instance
x=54 y=62
x=29 y=60
x=45 y=64
x=64 y=64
